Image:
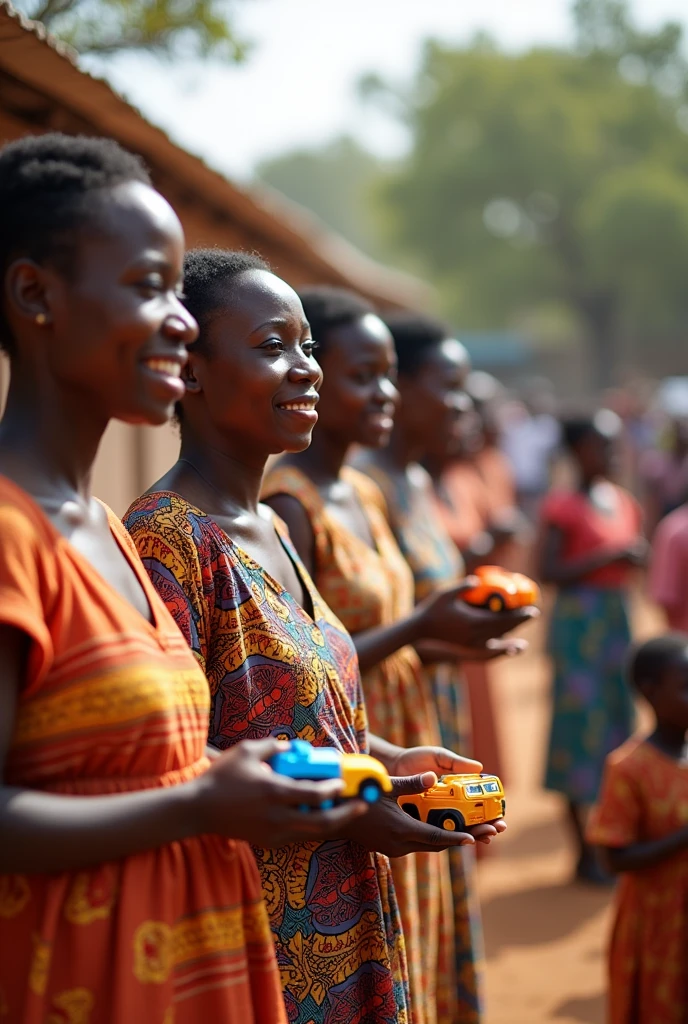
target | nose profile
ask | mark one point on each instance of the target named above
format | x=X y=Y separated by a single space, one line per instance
x=180 y=325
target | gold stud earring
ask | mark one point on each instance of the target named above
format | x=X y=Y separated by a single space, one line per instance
x=41 y=319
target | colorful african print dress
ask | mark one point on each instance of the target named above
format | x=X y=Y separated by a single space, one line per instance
x=275 y=671
x=114 y=704
x=436 y=563
x=589 y=638
x=368 y=587
x=644 y=797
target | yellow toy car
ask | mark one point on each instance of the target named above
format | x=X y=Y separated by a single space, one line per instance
x=365 y=777
x=500 y=589
x=457 y=801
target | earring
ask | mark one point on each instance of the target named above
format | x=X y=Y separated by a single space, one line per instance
x=41 y=319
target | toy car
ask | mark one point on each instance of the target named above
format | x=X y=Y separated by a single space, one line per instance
x=457 y=801
x=499 y=589
x=364 y=776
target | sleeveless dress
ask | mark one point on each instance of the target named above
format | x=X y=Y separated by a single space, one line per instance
x=114 y=704
x=436 y=564
x=368 y=587
x=276 y=671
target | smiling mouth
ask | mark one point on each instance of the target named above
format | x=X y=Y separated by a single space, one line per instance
x=168 y=367
x=297 y=406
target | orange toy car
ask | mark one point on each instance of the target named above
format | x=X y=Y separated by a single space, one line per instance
x=457 y=801
x=500 y=589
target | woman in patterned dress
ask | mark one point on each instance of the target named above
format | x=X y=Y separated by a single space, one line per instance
x=338 y=523
x=431 y=372
x=279 y=661
x=591 y=544
x=120 y=900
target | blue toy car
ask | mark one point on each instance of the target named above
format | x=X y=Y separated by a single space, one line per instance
x=364 y=776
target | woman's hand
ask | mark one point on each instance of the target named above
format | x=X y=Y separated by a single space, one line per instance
x=389 y=830
x=242 y=798
x=446 y=617
x=443 y=762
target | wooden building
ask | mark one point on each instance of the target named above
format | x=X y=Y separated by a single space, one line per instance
x=43 y=89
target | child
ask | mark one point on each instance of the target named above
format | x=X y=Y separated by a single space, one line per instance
x=641 y=822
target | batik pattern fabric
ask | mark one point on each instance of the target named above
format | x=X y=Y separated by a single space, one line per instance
x=368 y=587
x=644 y=797
x=436 y=564
x=592 y=707
x=276 y=671
x=113 y=704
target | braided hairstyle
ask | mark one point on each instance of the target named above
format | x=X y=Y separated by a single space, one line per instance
x=48 y=184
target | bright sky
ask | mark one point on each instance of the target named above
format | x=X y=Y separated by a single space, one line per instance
x=298 y=85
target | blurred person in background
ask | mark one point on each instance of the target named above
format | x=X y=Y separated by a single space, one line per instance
x=530 y=441
x=337 y=520
x=432 y=368
x=641 y=824
x=590 y=544
x=668 y=576
x=664 y=471
x=483 y=531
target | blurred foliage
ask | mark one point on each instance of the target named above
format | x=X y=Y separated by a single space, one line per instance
x=168 y=28
x=551 y=178
x=336 y=182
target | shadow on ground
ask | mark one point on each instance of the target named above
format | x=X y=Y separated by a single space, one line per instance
x=587 y=1011
x=535 y=841
x=531 y=917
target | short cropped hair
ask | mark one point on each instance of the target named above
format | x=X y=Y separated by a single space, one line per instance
x=327 y=307
x=206 y=273
x=648 y=661
x=415 y=335
x=45 y=184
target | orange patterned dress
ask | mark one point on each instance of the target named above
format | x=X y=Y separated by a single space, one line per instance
x=644 y=797
x=115 y=704
x=366 y=588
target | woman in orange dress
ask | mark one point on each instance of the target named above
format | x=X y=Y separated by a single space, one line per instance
x=120 y=900
x=338 y=521
x=641 y=822
x=431 y=377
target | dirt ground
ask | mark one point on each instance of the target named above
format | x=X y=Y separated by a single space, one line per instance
x=545 y=936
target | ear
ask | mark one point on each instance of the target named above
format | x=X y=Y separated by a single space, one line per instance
x=27 y=291
x=192 y=373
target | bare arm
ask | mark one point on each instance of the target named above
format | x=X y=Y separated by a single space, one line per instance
x=46 y=832
x=645 y=855
x=554 y=570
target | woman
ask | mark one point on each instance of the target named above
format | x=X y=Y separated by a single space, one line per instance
x=279 y=662
x=590 y=544
x=431 y=373
x=337 y=522
x=119 y=899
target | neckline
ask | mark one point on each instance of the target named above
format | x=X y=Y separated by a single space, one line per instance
x=332 y=519
x=279 y=588
x=135 y=564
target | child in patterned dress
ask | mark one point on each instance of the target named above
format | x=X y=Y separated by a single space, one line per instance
x=641 y=823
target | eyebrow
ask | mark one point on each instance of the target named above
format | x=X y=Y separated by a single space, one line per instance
x=279 y=321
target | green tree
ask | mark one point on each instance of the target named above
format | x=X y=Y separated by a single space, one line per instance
x=552 y=181
x=336 y=182
x=166 y=27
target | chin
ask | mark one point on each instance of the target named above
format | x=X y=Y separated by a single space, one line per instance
x=293 y=445
x=150 y=416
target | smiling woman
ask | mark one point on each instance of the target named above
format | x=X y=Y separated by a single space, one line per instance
x=279 y=661
x=121 y=899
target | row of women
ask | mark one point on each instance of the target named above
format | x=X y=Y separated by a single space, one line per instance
x=153 y=867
